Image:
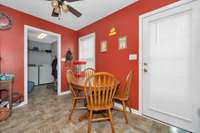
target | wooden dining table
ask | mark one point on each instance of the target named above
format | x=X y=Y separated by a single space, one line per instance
x=79 y=84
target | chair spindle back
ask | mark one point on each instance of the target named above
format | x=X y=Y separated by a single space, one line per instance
x=127 y=85
x=70 y=77
x=100 y=89
x=89 y=71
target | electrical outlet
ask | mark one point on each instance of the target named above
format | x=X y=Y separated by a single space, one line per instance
x=132 y=56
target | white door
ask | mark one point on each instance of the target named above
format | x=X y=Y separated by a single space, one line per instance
x=45 y=74
x=169 y=57
x=33 y=74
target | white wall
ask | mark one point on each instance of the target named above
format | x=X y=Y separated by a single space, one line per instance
x=39 y=58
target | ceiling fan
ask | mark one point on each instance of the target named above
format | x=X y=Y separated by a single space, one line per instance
x=60 y=6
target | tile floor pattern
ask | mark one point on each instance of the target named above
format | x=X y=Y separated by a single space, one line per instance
x=48 y=113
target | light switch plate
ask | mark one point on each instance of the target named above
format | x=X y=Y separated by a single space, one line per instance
x=132 y=56
x=63 y=59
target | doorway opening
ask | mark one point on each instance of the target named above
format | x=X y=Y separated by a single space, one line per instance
x=42 y=50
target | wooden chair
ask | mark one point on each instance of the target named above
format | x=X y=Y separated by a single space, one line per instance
x=76 y=95
x=89 y=71
x=99 y=91
x=123 y=97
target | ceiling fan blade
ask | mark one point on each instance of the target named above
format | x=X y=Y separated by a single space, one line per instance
x=74 y=11
x=72 y=0
x=54 y=14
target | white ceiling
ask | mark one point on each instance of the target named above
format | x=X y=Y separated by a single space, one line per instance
x=92 y=10
x=49 y=39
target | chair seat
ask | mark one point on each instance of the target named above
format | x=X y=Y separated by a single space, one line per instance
x=100 y=107
x=120 y=98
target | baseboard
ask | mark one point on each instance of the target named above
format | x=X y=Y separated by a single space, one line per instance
x=65 y=93
x=20 y=105
x=24 y=103
x=134 y=111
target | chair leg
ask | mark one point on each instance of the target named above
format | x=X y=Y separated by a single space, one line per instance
x=124 y=112
x=90 y=121
x=73 y=107
x=111 y=121
x=128 y=107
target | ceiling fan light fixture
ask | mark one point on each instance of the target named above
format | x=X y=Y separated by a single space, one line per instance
x=60 y=6
x=57 y=10
x=65 y=8
x=54 y=3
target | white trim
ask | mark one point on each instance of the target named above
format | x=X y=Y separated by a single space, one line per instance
x=26 y=28
x=127 y=109
x=141 y=17
x=155 y=120
x=25 y=64
x=136 y=112
x=167 y=7
x=140 y=65
x=86 y=36
x=65 y=93
x=20 y=105
x=170 y=114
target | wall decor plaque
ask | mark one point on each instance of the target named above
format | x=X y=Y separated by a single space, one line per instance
x=122 y=44
x=113 y=31
x=103 y=46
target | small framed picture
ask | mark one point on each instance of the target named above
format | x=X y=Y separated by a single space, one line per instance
x=122 y=42
x=103 y=46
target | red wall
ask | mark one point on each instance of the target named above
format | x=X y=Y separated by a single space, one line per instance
x=126 y=22
x=12 y=44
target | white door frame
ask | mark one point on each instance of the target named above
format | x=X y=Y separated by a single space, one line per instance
x=26 y=28
x=141 y=18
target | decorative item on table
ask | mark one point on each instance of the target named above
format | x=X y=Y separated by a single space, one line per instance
x=103 y=46
x=5 y=21
x=122 y=42
x=79 y=67
x=6 y=76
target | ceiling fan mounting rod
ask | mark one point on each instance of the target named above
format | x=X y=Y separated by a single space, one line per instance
x=61 y=1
